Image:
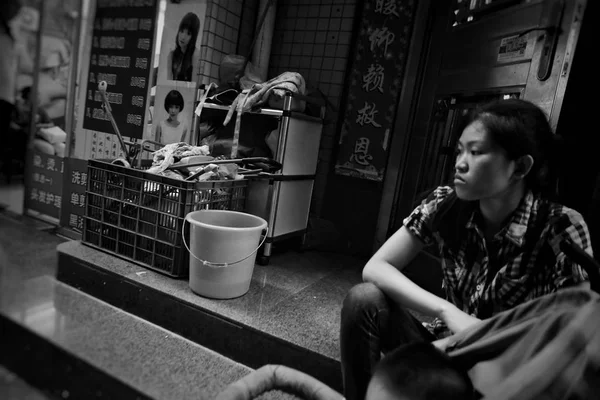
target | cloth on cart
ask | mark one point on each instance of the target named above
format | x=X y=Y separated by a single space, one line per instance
x=172 y=153
x=547 y=348
x=260 y=93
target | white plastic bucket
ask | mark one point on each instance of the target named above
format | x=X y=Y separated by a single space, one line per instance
x=223 y=246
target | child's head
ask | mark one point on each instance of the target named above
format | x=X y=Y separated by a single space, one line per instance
x=187 y=34
x=173 y=103
x=418 y=371
x=520 y=129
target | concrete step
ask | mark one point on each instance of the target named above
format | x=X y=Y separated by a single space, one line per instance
x=290 y=315
x=73 y=345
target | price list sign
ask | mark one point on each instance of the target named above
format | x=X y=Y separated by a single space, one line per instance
x=121 y=55
x=44 y=184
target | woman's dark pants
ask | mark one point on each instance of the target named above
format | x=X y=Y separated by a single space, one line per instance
x=372 y=324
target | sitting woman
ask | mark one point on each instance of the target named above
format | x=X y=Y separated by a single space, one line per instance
x=498 y=234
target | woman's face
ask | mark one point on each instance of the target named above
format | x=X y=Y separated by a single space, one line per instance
x=174 y=111
x=183 y=38
x=482 y=169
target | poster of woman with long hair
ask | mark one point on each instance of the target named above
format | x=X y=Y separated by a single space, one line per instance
x=180 y=41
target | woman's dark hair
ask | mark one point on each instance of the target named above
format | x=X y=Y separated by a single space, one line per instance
x=173 y=98
x=420 y=371
x=182 y=64
x=521 y=128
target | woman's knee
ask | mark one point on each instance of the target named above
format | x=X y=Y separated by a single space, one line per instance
x=362 y=297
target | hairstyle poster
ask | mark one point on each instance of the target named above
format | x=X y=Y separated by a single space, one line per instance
x=172 y=114
x=180 y=41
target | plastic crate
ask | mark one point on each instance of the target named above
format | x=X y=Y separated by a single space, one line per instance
x=138 y=216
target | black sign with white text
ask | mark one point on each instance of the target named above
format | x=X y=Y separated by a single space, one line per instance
x=43 y=183
x=74 y=187
x=121 y=55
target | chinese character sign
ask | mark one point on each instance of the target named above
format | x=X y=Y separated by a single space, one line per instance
x=44 y=184
x=375 y=85
x=74 y=194
x=121 y=55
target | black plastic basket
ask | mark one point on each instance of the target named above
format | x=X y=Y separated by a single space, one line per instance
x=138 y=216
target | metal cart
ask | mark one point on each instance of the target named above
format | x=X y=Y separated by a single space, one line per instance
x=283 y=198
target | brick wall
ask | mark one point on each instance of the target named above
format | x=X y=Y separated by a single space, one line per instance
x=313 y=37
x=221 y=33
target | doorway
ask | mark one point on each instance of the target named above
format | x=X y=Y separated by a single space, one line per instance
x=472 y=51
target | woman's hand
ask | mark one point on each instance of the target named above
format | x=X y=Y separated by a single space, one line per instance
x=457 y=320
x=442 y=344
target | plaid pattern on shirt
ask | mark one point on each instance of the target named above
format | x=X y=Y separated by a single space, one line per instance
x=518 y=271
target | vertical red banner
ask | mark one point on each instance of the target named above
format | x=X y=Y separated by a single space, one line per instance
x=375 y=85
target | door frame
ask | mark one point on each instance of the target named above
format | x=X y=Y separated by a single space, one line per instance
x=399 y=145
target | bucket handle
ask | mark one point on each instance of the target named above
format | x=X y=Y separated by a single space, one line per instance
x=218 y=265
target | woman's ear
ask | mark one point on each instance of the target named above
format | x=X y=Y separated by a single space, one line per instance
x=523 y=166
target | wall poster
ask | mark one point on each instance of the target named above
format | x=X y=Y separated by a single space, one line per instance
x=121 y=55
x=173 y=113
x=179 y=40
x=375 y=85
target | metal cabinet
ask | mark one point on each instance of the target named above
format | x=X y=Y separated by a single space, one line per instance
x=283 y=198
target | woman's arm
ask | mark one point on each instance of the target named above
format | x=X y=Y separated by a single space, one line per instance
x=383 y=269
x=278 y=377
x=571 y=243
